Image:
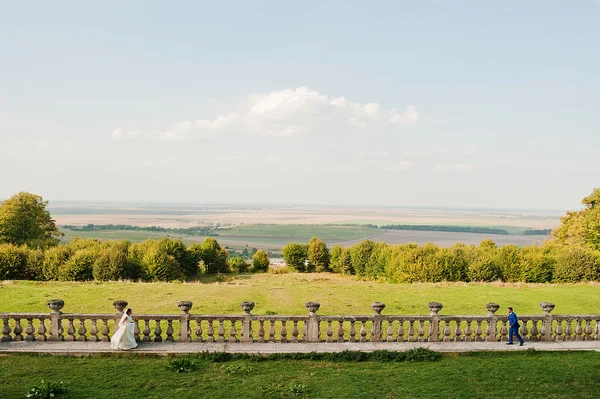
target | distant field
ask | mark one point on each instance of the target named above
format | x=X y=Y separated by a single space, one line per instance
x=305 y=231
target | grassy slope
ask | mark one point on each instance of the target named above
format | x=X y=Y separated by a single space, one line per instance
x=286 y=294
x=538 y=375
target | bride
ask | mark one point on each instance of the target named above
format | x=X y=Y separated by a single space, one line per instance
x=123 y=338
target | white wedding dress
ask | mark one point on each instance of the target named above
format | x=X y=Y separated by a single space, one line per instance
x=123 y=338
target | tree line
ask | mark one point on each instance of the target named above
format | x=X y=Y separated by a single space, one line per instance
x=189 y=231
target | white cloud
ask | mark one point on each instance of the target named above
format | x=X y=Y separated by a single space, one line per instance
x=138 y=164
x=229 y=158
x=274 y=158
x=458 y=167
x=282 y=113
x=404 y=165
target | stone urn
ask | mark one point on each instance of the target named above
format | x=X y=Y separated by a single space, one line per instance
x=378 y=307
x=492 y=308
x=56 y=305
x=312 y=308
x=547 y=307
x=247 y=307
x=185 y=306
x=435 y=307
x=120 y=305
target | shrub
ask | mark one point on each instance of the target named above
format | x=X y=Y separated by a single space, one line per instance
x=158 y=265
x=317 y=255
x=482 y=265
x=79 y=266
x=295 y=256
x=454 y=262
x=508 y=260
x=211 y=255
x=184 y=365
x=359 y=256
x=47 y=390
x=78 y=243
x=35 y=263
x=422 y=355
x=260 y=262
x=576 y=264
x=280 y=270
x=54 y=258
x=13 y=262
x=110 y=264
x=536 y=265
x=238 y=265
x=176 y=248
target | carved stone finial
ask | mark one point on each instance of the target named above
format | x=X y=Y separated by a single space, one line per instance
x=247 y=307
x=56 y=305
x=378 y=307
x=185 y=306
x=492 y=308
x=312 y=307
x=435 y=307
x=547 y=307
x=120 y=305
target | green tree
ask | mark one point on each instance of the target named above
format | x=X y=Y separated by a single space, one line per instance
x=260 y=262
x=295 y=256
x=359 y=255
x=508 y=259
x=581 y=228
x=317 y=255
x=211 y=255
x=24 y=220
x=238 y=264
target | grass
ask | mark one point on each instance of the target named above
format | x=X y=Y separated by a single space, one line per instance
x=515 y=375
x=286 y=294
x=300 y=231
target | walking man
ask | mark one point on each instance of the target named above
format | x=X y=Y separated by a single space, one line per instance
x=514 y=325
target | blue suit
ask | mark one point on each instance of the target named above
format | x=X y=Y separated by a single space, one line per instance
x=514 y=325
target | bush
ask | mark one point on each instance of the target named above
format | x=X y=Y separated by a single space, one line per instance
x=508 y=259
x=211 y=255
x=47 y=390
x=536 y=265
x=295 y=256
x=359 y=256
x=183 y=365
x=454 y=262
x=317 y=255
x=176 y=248
x=260 y=262
x=79 y=267
x=35 y=263
x=577 y=264
x=238 y=265
x=111 y=263
x=482 y=264
x=13 y=262
x=280 y=270
x=54 y=258
x=158 y=265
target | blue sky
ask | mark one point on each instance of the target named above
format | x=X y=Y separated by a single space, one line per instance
x=433 y=103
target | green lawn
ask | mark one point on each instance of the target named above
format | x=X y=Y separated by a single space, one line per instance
x=287 y=294
x=522 y=375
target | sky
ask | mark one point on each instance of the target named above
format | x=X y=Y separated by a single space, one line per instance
x=391 y=103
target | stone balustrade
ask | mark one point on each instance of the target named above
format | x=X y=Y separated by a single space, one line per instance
x=250 y=328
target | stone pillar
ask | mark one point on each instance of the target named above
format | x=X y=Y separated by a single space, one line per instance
x=247 y=307
x=434 y=328
x=184 y=320
x=547 y=309
x=312 y=324
x=376 y=332
x=55 y=305
x=492 y=330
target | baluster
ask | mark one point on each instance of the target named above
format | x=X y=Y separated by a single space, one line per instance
x=261 y=331
x=411 y=331
x=272 y=330
x=61 y=330
x=340 y=331
x=457 y=332
x=82 y=330
x=105 y=337
x=588 y=330
x=534 y=331
x=447 y=330
x=568 y=330
x=352 y=331
x=329 y=332
x=146 y=331
x=136 y=330
x=211 y=331
x=363 y=331
x=284 y=332
x=42 y=330
x=30 y=331
x=199 y=330
x=295 y=332
x=503 y=331
x=170 y=330
x=523 y=330
x=579 y=331
x=421 y=331
x=468 y=332
x=558 y=331
x=6 y=337
x=400 y=336
x=478 y=331
x=390 y=332
x=18 y=330
x=94 y=331
x=221 y=331
x=157 y=332
x=232 y=332
x=597 y=330
x=71 y=330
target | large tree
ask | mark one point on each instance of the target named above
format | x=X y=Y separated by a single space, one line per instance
x=318 y=255
x=581 y=227
x=24 y=220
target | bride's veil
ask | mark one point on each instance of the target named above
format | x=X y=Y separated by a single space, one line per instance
x=123 y=318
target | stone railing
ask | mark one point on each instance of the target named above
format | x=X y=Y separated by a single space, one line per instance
x=249 y=328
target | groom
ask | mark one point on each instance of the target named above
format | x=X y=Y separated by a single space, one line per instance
x=513 y=322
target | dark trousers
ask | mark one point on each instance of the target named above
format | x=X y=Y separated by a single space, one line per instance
x=515 y=331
